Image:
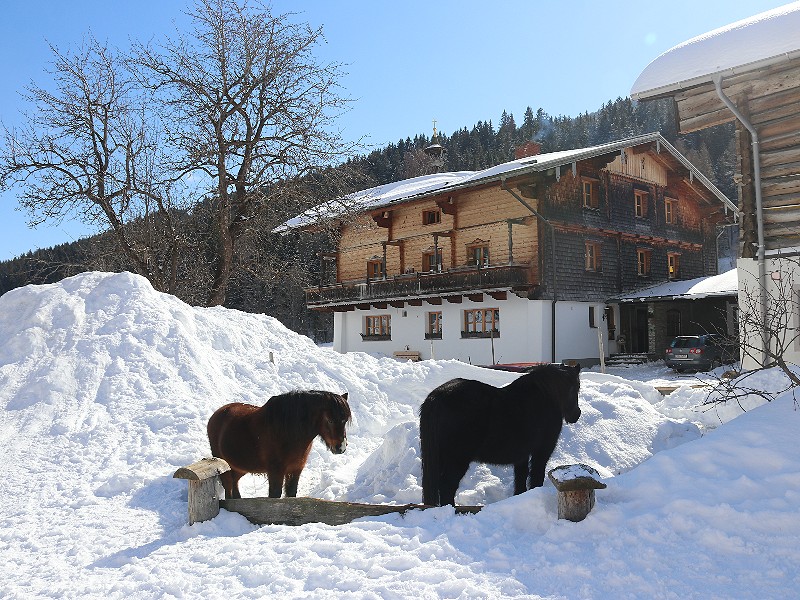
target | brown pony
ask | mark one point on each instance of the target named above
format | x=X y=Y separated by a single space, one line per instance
x=276 y=438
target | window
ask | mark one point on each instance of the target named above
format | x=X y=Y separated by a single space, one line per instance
x=374 y=269
x=478 y=255
x=611 y=322
x=481 y=322
x=431 y=217
x=592 y=256
x=377 y=327
x=433 y=327
x=640 y=203
x=674 y=265
x=591 y=193
x=670 y=211
x=592 y=320
x=429 y=262
x=643 y=263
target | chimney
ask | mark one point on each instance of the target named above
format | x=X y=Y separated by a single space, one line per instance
x=529 y=149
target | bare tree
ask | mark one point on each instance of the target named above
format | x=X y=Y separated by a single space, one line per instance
x=770 y=337
x=246 y=108
x=87 y=149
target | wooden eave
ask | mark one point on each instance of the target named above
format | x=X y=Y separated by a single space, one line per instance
x=700 y=107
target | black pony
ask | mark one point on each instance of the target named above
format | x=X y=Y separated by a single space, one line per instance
x=463 y=421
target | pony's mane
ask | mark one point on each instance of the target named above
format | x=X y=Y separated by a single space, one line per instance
x=541 y=376
x=295 y=410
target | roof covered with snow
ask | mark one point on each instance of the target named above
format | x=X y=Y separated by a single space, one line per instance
x=428 y=185
x=752 y=43
x=724 y=284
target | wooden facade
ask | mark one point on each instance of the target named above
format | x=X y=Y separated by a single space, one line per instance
x=770 y=99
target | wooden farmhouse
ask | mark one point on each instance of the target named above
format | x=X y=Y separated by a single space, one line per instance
x=749 y=73
x=514 y=264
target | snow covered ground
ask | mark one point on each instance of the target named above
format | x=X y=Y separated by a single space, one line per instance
x=106 y=387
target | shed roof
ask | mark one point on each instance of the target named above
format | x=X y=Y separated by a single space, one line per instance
x=724 y=284
x=427 y=185
x=756 y=42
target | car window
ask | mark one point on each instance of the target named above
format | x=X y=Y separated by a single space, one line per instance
x=686 y=342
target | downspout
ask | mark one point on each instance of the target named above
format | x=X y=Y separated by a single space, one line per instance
x=535 y=213
x=762 y=269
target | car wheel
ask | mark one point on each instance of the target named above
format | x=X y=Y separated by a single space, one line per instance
x=717 y=362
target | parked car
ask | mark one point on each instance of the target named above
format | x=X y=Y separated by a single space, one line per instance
x=697 y=352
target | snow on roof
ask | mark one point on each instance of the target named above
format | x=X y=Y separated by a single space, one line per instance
x=742 y=46
x=375 y=197
x=724 y=284
x=408 y=189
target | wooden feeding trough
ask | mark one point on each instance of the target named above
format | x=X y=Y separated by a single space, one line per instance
x=207 y=496
x=576 y=485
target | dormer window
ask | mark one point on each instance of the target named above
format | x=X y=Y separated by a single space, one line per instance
x=431 y=217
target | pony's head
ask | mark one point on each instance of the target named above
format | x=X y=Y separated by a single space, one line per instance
x=569 y=400
x=335 y=416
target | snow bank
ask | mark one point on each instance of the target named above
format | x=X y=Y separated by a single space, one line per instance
x=106 y=387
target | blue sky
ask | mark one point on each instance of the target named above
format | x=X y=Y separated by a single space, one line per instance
x=407 y=63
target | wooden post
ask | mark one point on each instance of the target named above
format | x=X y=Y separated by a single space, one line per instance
x=205 y=487
x=576 y=485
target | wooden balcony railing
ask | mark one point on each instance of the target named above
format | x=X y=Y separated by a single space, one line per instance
x=413 y=285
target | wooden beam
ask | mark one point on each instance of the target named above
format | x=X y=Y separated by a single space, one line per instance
x=475 y=297
x=302 y=511
x=434 y=301
x=446 y=205
x=397 y=304
x=383 y=218
x=454 y=299
x=499 y=295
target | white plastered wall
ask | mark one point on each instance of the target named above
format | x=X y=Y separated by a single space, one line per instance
x=525 y=332
x=786 y=272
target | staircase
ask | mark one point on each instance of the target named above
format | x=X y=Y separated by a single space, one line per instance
x=621 y=360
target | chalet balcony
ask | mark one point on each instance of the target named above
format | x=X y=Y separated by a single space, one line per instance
x=416 y=285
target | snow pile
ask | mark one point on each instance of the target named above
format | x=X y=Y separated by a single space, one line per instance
x=105 y=390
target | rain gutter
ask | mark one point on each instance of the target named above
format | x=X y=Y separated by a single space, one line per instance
x=762 y=270
x=535 y=213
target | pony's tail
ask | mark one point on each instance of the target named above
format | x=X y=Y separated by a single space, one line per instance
x=429 y=448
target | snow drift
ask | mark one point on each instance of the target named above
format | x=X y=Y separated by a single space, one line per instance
x=106 y=387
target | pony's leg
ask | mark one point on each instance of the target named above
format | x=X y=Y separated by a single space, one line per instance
x=452 y=475
x=538 y=464
x=230 y=481
x=292 y=479
x=520 y=476
x=275 y=484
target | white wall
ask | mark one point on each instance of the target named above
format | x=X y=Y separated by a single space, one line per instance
x=789 y=272
x=525 y=332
